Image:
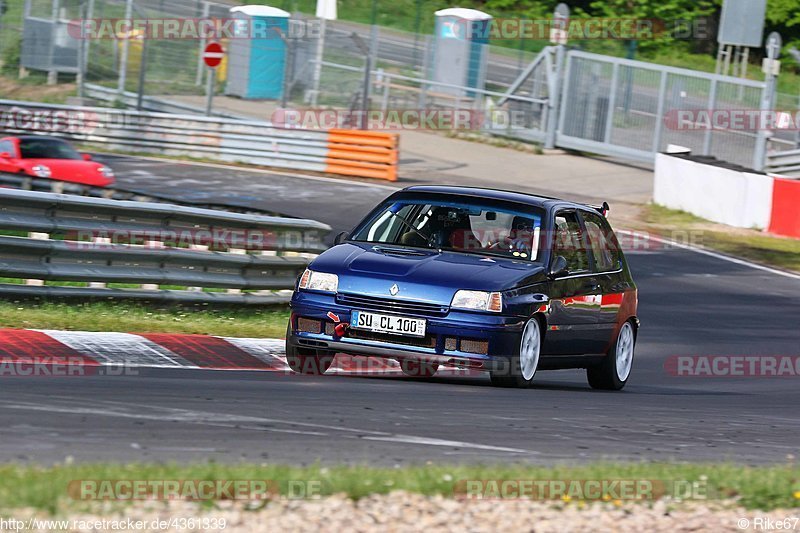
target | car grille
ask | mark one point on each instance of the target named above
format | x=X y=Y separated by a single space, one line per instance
x=387 y=305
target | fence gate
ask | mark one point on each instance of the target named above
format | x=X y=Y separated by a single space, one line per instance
x=626 y=108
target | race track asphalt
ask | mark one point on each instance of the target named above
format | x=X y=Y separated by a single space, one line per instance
x=690 y=304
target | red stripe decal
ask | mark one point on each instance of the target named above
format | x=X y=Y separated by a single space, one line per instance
x=34 y=347
x=207 y=352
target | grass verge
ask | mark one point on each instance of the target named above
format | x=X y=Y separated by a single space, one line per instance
x=47 y=488
x=244 y=321
x=750 y=244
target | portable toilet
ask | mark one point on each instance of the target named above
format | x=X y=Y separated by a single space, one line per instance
x=257 y=52
x=459 y=56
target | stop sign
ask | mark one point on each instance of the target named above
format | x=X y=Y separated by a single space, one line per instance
x=213 y=54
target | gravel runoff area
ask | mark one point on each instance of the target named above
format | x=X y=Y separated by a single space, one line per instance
x=407 y=512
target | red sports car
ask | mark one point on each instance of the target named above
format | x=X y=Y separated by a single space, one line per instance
x=49 y=157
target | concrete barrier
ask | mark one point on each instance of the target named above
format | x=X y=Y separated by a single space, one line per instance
x=731 y=196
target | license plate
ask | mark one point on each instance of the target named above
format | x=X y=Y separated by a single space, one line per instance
x=396 y=325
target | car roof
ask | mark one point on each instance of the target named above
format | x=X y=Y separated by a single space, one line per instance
x=545 y=202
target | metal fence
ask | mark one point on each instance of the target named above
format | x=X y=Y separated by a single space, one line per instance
x=618 y=106
x=344 y=152
x=100 y=248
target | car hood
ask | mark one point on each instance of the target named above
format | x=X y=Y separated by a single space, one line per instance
x=424 y=275
x=72 y=170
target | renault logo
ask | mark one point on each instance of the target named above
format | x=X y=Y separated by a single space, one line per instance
x=394 y=289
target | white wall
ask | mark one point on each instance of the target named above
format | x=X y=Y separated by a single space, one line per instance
x=731 y=197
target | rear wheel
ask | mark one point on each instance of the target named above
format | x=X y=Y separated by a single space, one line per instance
x=418 y=369
x=522 y=366
x=614 y=371
x=306 y=360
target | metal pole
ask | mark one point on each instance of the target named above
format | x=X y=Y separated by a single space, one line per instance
x=89 y=15
x=417 y=22
x=203 y=41
x=123 y=61
x=81 y=58
x=52 y=74
x=142 y=72
x=365 y=100
x=210 y=91
x=317 y=74
x=554 y=101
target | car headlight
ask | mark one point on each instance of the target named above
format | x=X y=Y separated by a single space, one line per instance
x=106 y=172
x=478 y=301
x=41 y=171
x=319 y=281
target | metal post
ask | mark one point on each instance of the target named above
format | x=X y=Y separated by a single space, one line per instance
x=662 y=93
x=203 y=41
x=142 y=73
x=712 y=98
x=773 y=46
x=612 y=103
x=79 y=78
x=417 y=22
x=86 y=42
x=52 y=74
x=553 y=103
x=365 y=99
x=123 y=60
x=210 y=90
x=317 y=74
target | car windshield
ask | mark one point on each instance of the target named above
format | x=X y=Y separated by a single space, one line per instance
x=46 y=149
x=470 y=227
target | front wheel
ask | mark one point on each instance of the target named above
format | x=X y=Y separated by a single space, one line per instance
x=614 y=371
x=522 y=365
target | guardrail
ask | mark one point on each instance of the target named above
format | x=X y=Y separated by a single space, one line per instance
x=151 y=251
x=338 y=151
x=786 y=162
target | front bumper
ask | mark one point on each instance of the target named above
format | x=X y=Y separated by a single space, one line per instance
x=502 y=333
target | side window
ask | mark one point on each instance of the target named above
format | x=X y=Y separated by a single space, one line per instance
x=606 y=256
x=569 y=242
x=7 y=146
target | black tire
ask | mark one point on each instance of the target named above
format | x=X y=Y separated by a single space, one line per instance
x=514 y=373
x=606 y=375
x=306 y=360
x=418 y=369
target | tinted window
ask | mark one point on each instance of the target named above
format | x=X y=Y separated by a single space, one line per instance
x=462 y=226
x=46 y=149
x=606 y=256
x=569 y=242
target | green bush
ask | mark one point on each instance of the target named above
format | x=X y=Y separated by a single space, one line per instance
x=10 y=56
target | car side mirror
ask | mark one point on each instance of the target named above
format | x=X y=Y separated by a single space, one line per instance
x=86 y=157
x=5 y=155
x=558 y=268
x=341 y=237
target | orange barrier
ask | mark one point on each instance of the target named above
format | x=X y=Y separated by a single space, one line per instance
x=785 y=219
x=367 y=154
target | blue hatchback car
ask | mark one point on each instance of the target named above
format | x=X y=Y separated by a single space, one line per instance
x=491 y=280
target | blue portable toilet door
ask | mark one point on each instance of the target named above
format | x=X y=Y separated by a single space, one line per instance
x=267 y=58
